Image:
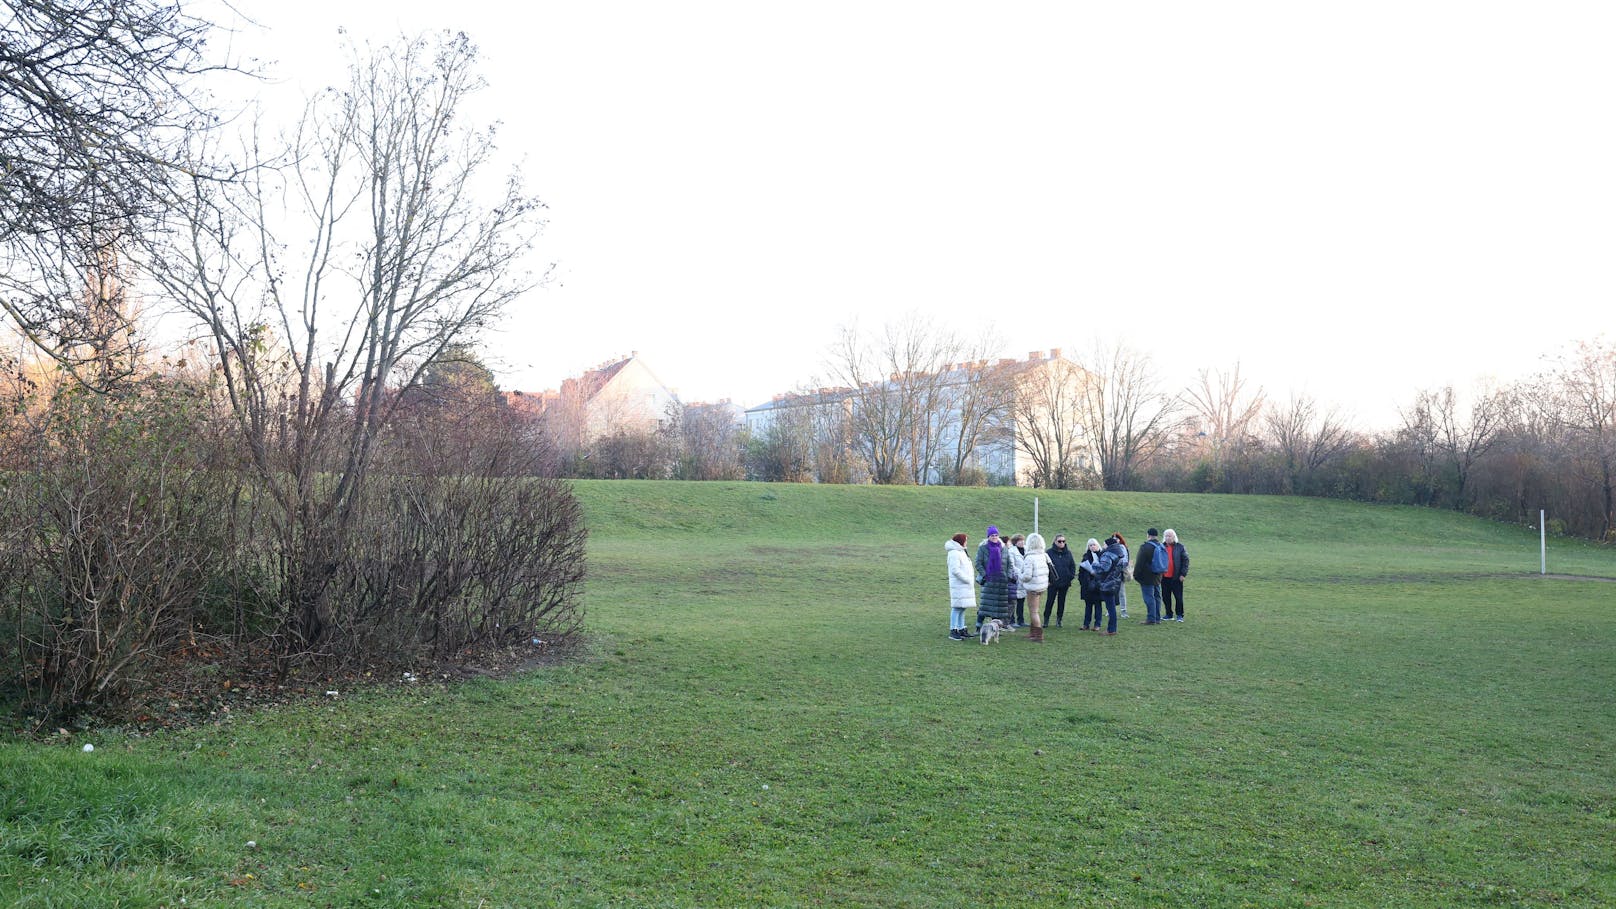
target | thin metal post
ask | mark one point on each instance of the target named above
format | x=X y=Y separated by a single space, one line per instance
x=1542 y=541
x=1034 y=514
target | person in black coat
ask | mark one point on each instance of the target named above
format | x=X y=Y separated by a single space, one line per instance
x=1149 y=581
x=1062 y=571
x=1088 y=587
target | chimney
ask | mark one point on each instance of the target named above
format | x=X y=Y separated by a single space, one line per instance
x=1033 y=355
x=1006 y=361
x=633 y=354
x=1054 y=353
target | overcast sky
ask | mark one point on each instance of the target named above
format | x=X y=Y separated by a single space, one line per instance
x=1351 y=200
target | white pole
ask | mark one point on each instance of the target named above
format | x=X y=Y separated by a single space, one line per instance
x=1034 y=514
x=1542 y=542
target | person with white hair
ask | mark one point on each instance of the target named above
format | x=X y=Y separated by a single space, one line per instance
x=1089 y=587
x=1172 y=580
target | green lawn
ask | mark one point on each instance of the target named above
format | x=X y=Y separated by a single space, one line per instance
x=1367 y=706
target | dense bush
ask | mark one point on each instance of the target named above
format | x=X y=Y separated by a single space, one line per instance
x=116 y=529
x=132 y=530
x=445 y=563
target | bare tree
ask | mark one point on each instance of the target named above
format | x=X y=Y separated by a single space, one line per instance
x=330 y=283
x=1306 y=437
x=897 y=387
x=1225 y=409
x=1419 y=439
x=782 y=450
x=1587 y=411
x=1467 y=437
x=98 y=107
x=1129 y=417
x=709 y=441
x=977 y=399
x=1052 y=420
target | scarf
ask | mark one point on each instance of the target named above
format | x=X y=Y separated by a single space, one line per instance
x=995 y=559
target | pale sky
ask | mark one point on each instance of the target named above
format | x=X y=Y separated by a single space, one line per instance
x=1351 y=200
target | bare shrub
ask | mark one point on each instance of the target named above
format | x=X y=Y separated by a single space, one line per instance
x=116 y=524
x=454 y=544
x=440 y=564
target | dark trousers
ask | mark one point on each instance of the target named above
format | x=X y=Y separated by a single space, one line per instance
x=1094 y=611
x=1057 y=599
x=1172 y=589
x=1021 y=610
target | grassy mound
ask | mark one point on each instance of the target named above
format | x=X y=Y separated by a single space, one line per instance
x=1366 y=706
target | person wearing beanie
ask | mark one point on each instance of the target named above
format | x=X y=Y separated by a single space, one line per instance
x=1149 y=580
x=992 y=564
x=961 y=586
x=1112 y=572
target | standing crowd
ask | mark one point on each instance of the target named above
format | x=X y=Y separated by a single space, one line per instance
x=1012 y=581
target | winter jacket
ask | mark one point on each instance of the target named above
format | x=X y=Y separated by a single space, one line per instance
x=1065 y=570
x=1141 y=568
x=1181 y=560
x=1035 y=567
x=995 y=600
x=961 y=583
x=1017 y=560
x=1112 y=568
x=1088 y=576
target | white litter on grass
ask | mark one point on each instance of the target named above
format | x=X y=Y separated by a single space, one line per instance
x=88 y=747
x=332 y=693
x=252 y=844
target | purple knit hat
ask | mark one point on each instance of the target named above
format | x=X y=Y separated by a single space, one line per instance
x=992 y=530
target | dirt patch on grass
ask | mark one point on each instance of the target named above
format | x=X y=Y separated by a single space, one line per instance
x=1575 y=577
x=210 y=684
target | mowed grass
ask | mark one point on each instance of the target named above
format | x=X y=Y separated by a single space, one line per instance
x=1366 y=707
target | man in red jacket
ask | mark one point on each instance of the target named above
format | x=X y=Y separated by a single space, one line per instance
x=1172 y=580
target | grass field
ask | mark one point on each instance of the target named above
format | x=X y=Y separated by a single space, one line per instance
x=1367 y=706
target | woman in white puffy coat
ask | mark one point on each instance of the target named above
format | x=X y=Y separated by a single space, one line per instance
x=1034 y=581
x=961 y=586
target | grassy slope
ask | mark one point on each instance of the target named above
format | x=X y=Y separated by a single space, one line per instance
x=1367 y=706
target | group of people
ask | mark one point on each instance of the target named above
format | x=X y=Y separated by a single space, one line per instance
x=1020 y=579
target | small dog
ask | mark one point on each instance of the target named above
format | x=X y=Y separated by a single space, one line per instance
x=991 y=629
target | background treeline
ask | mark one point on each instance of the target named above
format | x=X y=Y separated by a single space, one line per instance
x=1104 y=420
x=1546 y=442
